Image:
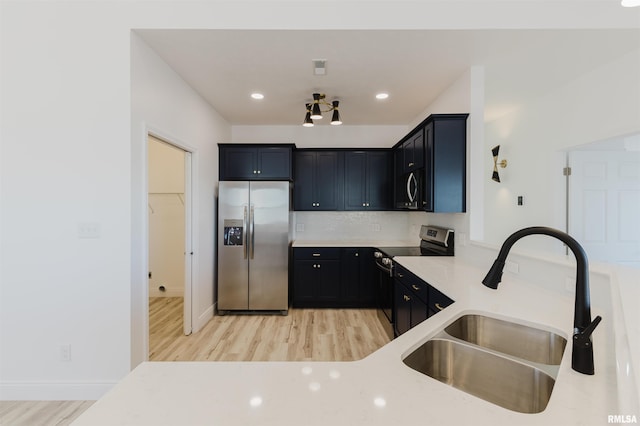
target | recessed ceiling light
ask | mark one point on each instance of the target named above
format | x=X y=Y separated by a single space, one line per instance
x=257 y=96
x=382 y=96
x=630 y=3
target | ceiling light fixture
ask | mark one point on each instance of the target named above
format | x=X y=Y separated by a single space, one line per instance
x=257 y=96
x=382 y=96
x=630 y=3
x=314 y=111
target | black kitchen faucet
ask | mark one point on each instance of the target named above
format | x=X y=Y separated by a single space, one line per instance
x=582 y=355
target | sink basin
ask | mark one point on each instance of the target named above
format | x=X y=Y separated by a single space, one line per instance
x=502 y=381
x=518 y=340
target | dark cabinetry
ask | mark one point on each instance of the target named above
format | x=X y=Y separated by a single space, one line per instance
x=412 y=152
x=437 y=148
x=318 y=182
x=328 y=277
x=414 y=300
x=367 y=176
x=445 y=164
x=316 y=276
x=255 y=162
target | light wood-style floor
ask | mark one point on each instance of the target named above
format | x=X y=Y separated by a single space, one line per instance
x=303 y=335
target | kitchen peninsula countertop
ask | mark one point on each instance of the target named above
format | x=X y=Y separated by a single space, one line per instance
x=380 y=389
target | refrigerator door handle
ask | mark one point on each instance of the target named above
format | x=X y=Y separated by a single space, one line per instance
x=252 y=230
x=244 y=230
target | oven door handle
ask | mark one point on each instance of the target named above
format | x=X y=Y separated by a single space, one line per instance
x=389 y=271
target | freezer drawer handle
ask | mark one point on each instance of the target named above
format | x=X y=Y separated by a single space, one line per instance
x=316 y=254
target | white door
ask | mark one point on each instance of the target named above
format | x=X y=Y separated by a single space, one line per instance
x=604 y=204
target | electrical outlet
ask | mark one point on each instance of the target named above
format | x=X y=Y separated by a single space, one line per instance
x=300 y=227
x=375 y=227
x=512 y=267
x=88 y=230
x=65 y=353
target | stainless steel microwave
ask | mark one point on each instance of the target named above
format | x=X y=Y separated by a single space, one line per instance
x=409 y=191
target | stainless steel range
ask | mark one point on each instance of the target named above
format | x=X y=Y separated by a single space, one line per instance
x=434 y=241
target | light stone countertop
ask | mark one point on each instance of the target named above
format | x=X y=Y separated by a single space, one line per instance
x=380 y=389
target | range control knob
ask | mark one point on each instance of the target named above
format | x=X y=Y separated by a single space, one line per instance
x=386 y=261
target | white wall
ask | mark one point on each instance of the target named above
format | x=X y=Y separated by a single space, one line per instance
x=595 y=106
x=77 y=93
x=164 y=104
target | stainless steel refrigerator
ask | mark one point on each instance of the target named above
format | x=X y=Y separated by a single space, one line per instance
x=253 y=246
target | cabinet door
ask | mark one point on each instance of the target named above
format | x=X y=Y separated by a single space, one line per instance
x=305 y=282
x=350 y=277
x=238 y=163
x=368 y=278
x=419 y=311
x=378 y=181
x=449 y=165
x=328 y=287
x=274 y=163
x=355 y=180
x=401 y=308
x=428 y=184
x=414 y=152
x=303 y=184
x=328 y=181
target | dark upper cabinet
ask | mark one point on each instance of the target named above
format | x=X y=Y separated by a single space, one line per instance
x=445 y=164
x=318 y=180
x=438 y=147
x=255 y=162
x=368 y=182
x=413 y=152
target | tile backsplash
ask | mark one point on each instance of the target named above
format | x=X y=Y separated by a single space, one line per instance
x=360 y=226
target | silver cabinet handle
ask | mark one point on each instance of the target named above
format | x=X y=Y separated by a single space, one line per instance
x=400 y=275
x=415 y=287
x=439 y=307
x=255 y=171
x=406 y=298
x=316 y=255
x=410 y=164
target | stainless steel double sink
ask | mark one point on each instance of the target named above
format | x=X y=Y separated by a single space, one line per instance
x=509 y=364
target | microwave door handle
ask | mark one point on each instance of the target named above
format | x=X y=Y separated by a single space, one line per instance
x=252 y=230
x=245 y=233
x=412 y=194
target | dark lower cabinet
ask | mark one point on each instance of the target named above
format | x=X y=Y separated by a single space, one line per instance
x=414 y=300
x=329 y=277
x=316 y=277
x=409 y=309
x=357 y=278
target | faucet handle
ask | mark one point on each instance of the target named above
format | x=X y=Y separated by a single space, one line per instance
x=582 y=356
x=589 y=329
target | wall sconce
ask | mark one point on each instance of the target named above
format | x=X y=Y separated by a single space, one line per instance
x=495 y=176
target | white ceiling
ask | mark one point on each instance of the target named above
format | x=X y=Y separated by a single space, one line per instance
x=413 y=66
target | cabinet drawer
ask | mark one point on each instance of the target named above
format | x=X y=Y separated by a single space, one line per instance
x=317 y=253
x=412 y=282
x=437 y=301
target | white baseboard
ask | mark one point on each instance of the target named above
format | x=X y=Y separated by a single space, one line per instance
x=53 y=391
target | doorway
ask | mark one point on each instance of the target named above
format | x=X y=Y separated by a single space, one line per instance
x=604 y=199
x=169 y=237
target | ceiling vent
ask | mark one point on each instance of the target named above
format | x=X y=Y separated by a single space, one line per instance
x=319 y=67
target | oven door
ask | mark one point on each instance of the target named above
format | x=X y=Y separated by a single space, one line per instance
x=384 y=297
